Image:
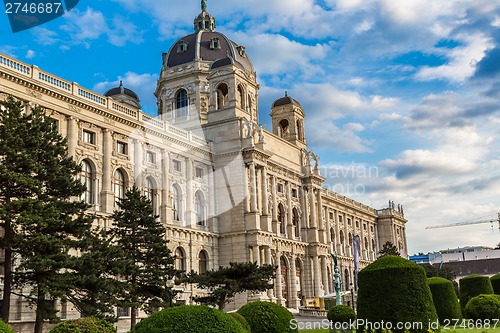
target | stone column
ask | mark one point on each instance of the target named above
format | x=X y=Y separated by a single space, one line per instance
x=321 y=222
x=294 y=301
x=317 y=277
x=267 y=250
x=324 y=275
x=107 y=202
x=289 y=225
x=256 y=254
x=303 y=202
x=165 y=186
x=138 y=159
x=253 y=189
x=279 y=291
x=265 y=197
x=72 y=135
x=312 y=205
x=190 y=221
x=247 y=189
x=275 y=205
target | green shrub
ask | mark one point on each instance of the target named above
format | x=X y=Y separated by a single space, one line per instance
x=473 y=285
x=189 y=319
x=495 y=283
x=267 y=317
x=84 y=325
x=445 y=299
x=483 y=307
x=241 y=320
x=4 y=328
x=395 y=290
x=341 y=314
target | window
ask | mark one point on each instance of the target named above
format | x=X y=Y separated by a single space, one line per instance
x=180 y=260
x=64 y=309
x=181 y=103
x=242 y=51
x=283 y=129
x=357 y=224
x=373 y=245
x=199 y=203
x=89 y=137
x=364 y=226
x=280 y=188
x=176 y=203
x=123 y=312
x=332 y=235
x=215 y=43
x=222 y=95
x=199 y=173
x=341 y=219
x=281 y=218
x=149 y=191
x=182 y=46
x=121 y=147
x=241 y=96
x=203 y=261
x=294 y=193
x=150 y=157
x=341 y=236
x=119 y=186
x=349 y=221
x=177 y=165
x=331 y=215
x=295 y=221
x=86 y=177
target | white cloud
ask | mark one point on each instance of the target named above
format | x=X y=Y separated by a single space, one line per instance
x=30 y=54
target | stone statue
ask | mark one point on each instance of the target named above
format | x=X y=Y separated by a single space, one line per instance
x=249 y=126
x=260 y=131
x=338 y=282
x=203 y=5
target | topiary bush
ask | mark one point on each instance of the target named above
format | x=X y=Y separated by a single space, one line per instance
x=473 y=285
x=393 y=289
x=483 y=307
x=241 y=320
x=341 y=314
x=495 y=283
x=4 y=328
x=189 y=319
x=84 y=325
x=445 y=299
x=267 y=317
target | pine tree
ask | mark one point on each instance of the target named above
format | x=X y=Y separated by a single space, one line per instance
x=145 y=261
x=389 y=249
x=43 y=224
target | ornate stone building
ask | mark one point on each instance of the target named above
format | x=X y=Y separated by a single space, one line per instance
x=225 y=188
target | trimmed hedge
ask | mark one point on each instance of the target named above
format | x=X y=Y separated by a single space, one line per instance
x=495 y=283
x=395 y=290
x=472 y=286
x=267 y=317
x=483 y=307
x=241 y=320
x=84 y=325
x=5 y=328
x=189 y=319
x=445 y=299
x=341 y=314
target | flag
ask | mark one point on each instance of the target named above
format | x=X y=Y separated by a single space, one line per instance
x=356 y=247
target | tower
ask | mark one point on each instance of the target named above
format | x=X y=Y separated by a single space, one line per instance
x=288 y=120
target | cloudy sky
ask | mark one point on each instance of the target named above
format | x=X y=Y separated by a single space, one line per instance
x=402 y=98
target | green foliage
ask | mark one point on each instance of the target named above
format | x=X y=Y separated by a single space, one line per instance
x=473 y=285
x=389 y=249
x=395 y=290
x=445 y=299
x=483 y=307
x=267 y=317
x=241 y=320
x=189 y=319
x=495 y=283
x=143 y=260
x=341 y=314
x=224 y=283
x=4 y=328
x=84 y=325
x=441 y=271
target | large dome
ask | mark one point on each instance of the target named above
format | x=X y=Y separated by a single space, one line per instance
x=206 y=45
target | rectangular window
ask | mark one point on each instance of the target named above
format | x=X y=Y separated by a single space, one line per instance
x=331 y=215
x=199 y=173
x=121 y=147
x=123 y=312
x=349 y=221
x=294 y=193
x=89 y=137
x=341 y=218
x=280 y=188
x=150 y=157
x=177 y=165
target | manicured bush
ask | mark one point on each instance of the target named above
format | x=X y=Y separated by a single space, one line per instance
x=472 y=286
x=4 y=328
x=341 y=314
x=189 y=319
x=445 y=299
x=84 y=325
x=267 y=317
x=483 y=307
x=395 y=290
x=241 y=320
x=495 y=283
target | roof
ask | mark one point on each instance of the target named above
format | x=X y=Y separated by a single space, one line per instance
x=121 y=90
x=285 y=101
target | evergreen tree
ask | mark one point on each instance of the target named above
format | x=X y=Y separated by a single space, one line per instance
x=145 y=261
x=389 y=249
x=42 y=225
x=223 y=284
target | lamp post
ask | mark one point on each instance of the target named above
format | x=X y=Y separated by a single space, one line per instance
x=352 y=295
x=170 y=286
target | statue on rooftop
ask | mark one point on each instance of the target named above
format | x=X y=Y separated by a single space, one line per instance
x=203 y=5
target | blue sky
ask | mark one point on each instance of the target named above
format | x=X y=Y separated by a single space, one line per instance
x=401 y=98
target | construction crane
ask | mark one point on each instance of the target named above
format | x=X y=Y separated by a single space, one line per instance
x=467 y=223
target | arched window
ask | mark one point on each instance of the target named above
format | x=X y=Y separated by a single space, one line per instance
x=341 y=237
x=176 y=203
x=281 y=218
x=366 y=244
x=86 y=177
x=346 y=279
x=119 y=186
x=222 y=95
x=199 y=203
x=180 y=259
x=373 y=245
x=300 y=134
x=332 y=235
x=249 y=100
x=350 y=239
x=295 y=221
x=283 y=129
x=203 y=261
x=241 y=96
x=150 y=191
x=181 y=103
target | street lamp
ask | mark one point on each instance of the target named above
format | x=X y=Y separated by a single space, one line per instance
x=170 y=286
x=352 y=295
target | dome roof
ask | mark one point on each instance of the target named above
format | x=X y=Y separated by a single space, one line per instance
x=121 y=90
x=286 y=100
